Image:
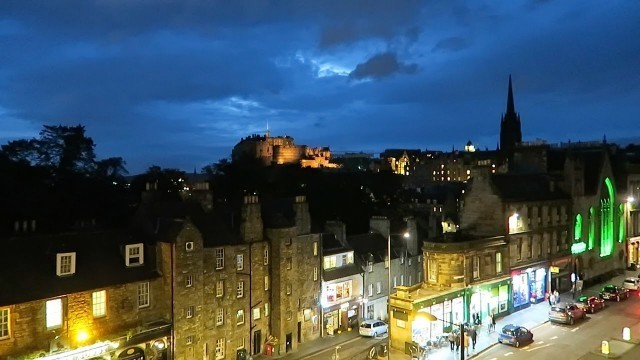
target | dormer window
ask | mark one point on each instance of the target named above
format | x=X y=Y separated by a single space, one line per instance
x=65 y=264
x=134 y=255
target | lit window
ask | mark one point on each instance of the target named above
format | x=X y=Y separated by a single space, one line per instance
x=143 y=295
x=4 y=323
x=219 y=316
x=54 y=313
x=65 y=264
x=99 y=303
x=189 y=281
x=378 y=287
x=135 y=255
x=189 y=340
x=266 y=309
x=219 y=288
x=256 y=313
x=266 y=282
x=190 y=311
x=219 y=258
x=289 y=261
x=432 y=269
x=315 y=273
x=220 y=348
x=370 y=266
x=240 y=317
x=315 y=248
x=239 y=262
x=476 y=267
x=370 y=289
x=498 y=263
x=240 y=289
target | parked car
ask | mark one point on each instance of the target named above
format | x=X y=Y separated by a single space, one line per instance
x=515 y=335
x=631 y=283
x=612 y=292
x=566 y=313
x=591 y=304
x=373 y=328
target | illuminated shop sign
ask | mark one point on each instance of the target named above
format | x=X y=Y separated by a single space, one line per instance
x=85 y=352
x=336 y=292
x=578 y=248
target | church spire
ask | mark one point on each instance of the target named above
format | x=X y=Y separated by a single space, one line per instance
x=511 y=108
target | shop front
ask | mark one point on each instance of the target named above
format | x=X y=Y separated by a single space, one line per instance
x=528 y=286
x=449 y=308
x=560 y=272
x=490 y=297
x=340 y=308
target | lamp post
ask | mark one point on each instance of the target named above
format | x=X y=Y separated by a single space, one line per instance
x=406 y=236
x=627 y=220
x=432 y=318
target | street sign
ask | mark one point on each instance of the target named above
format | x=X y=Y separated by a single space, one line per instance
x=554 y=269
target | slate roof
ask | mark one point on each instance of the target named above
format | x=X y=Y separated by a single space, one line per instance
x=527 y=187
x=375 y=244
x=353 y=269
x=29 y=265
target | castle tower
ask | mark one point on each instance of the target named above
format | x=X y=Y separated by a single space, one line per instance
x=510 y=131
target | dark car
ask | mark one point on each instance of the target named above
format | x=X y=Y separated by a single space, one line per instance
x=515 y=335
x=591 y=304
x=612 y=292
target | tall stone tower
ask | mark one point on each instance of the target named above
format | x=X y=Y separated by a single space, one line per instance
x=510 y=131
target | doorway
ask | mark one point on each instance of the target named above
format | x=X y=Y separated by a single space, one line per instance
x=289 y=345
x=299 y=332
x=257 y=342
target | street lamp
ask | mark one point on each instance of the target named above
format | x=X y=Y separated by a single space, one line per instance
x=627 y=229
x=406 y=236
x=432 y=318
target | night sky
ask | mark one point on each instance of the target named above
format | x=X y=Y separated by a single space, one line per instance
x=179 y=83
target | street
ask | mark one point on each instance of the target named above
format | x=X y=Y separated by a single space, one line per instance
x=552 y=341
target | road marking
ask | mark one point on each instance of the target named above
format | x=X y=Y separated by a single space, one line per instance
x=509 y=353
x=576 y=329
x=553 y=338
x=540 y=342
x=539 y=347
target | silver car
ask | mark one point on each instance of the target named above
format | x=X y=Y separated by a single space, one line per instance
x=631 y=283
x=373 y=328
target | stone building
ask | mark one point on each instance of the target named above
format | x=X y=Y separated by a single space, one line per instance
x=94 y=292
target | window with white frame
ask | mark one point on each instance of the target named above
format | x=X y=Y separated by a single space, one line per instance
x=135 y=254
x=288 y=289
x=370 y=266
x=188 y=282
x=219 y=316
x=219 y=288
x=143 y=295
x=476 y=267
x=370 y=289
x=266 y=282
x=219 y=258
x=99 y=303
x=315 y=248
x=189 y=339
x=190 y=311
x=5 y=330
x=419 y=259
x=240 y=289
x=409 y=259
x=401 y=279
x=498 y=263
x=402 y=259
x=315 y=273
x=54 y=313
x=289 y=262
x=65 y=264
x=266 y=309
x=220 y=343
x=240 y=317
x=241 y=344
x=420 y=275
x=289 y=314
x=378 y=287
x=395 y=281
x=239 y=262
x=256 y=313
x=432 y=270
x=266 y=255
x=287 y=241
x=386 y=261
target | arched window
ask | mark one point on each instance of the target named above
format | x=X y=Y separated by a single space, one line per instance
x=606 y=220
x=577 y=229
x=622 y=224
x=592 y=228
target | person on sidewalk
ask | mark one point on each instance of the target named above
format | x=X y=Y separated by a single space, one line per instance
x=552 y=299
x=556 y=295
x=457 y=341
x=474 y=335
x=547 y=297
x=452 y=340
x=466 y=344
x=492 y=323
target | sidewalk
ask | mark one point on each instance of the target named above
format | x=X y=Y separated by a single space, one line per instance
x=531 y=317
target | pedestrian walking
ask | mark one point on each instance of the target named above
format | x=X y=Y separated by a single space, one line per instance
x=452 y=340
x=552 y=299
x=556 y=294
x=457 y=340
x=466 y=343
x=474 y=336
x=547 y=297
x=493 y=322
